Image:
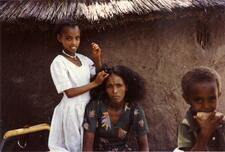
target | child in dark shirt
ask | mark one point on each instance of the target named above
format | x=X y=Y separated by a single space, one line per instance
x=203 y=128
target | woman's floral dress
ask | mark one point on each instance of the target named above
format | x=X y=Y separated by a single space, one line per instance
x=109 y=136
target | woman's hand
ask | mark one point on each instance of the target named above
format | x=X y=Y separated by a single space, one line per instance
x=96 y=51
x=101 y=76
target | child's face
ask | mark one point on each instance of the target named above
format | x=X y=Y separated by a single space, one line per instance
x=70 y=38
x=203 y=96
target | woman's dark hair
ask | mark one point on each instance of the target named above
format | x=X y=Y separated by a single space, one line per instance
x=65 y=23
x=134 y=82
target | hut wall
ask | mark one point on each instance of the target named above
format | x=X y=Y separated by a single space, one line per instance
x=161 y=51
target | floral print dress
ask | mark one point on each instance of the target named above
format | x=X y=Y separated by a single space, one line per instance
x=109 y=136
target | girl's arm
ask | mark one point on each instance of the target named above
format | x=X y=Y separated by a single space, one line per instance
x=80 y=90
x=143 y=143
x=88 y=141
x=97 y=55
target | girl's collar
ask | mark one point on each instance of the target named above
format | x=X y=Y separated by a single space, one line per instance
x=70 y=56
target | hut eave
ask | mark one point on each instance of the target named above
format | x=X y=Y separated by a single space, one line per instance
x=98 y=11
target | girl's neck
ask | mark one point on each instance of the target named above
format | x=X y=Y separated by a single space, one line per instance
x=66 y=54
x=69 y=53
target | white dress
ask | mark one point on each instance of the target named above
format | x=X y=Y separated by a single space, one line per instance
x=66 y=132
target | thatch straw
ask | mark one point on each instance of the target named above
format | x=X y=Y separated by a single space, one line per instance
x=92 y=11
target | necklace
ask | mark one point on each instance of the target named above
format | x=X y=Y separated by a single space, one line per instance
x=72 y=57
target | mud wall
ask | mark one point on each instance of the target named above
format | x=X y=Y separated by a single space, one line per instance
x=161 y=51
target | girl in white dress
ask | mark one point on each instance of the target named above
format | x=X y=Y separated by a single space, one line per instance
x=71 y=73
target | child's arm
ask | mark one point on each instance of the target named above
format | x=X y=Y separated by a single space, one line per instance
x=80 y=90
x=97 y=55
x=207 y=127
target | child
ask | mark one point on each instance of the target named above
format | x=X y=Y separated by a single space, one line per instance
x=71 y=73
x=201 y=89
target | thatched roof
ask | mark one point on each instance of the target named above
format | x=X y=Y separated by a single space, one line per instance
x=92 y=11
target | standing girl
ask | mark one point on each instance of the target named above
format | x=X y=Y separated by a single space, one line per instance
x=71 y=73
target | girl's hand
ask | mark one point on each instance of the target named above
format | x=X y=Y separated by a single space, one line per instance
x=100 y=78
x=209 y=125
x=96 y=51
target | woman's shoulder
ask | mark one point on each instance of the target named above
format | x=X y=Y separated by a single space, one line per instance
x=136 y=106
x=137 y=110
x=95 y=103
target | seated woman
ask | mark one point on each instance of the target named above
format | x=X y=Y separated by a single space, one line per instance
x=109 y=118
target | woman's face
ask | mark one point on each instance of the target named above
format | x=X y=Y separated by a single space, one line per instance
x=116 y=88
